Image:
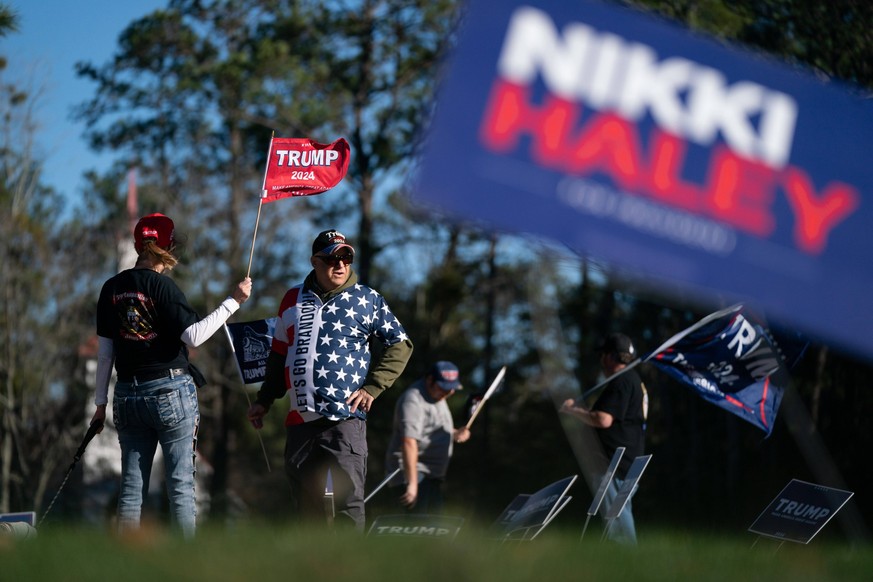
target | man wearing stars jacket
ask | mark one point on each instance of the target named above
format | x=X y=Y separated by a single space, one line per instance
x=321 y=357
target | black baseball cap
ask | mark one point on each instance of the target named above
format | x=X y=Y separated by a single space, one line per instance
x=616 y=343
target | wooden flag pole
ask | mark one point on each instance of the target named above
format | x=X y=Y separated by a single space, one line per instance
x=260 y=204
x=254 y=237
x=487 y=395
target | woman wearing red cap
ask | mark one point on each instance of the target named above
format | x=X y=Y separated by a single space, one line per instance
x=144 y=326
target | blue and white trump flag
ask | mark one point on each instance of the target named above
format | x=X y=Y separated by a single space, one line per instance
x=732 y=362
x=250 y=342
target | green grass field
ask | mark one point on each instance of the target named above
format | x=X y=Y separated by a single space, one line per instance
x=272 y=553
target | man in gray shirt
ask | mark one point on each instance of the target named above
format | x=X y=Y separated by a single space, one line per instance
x=422 y=439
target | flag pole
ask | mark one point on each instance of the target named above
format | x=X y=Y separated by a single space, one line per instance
x=666 y=345
x=487 y=395
x=382 y=484
x=255 y=236
x=260 y=204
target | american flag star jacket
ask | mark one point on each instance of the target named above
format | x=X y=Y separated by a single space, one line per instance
x=324 y=344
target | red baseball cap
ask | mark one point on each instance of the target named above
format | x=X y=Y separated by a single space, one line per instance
x=154 y=226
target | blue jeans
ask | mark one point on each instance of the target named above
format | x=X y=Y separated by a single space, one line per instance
x=622 y=528
x=162 y=411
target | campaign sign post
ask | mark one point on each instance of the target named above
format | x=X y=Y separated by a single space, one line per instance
x=601 y=488
x=539 y=509
x=605 y=481
x=628 y=486
x=800 y=511
x=329 y=506
x=634 y=473
x=672 y=156
x=562 y=503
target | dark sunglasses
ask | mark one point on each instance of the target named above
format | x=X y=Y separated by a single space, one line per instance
x=334 y=260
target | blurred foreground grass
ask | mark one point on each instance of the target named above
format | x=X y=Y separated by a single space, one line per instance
x=274 y=553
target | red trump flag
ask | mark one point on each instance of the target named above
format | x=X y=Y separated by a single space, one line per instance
x=301 y=167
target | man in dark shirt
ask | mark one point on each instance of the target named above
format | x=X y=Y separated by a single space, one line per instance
x=619 y=415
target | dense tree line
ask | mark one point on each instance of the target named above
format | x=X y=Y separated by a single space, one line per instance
x=190 y=99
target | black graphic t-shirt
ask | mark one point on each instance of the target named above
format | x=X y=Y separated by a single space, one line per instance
x=144 y=313
x=623 y=398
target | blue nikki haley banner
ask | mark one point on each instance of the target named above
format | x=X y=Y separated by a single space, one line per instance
x=633 y=140
x=731 y=362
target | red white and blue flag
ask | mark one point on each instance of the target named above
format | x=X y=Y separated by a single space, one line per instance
x=302 y=167
x=733 y=363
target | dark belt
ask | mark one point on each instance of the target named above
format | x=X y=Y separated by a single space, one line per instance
x=149 y=376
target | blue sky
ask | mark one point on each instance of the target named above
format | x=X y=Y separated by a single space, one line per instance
x=52 y=36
